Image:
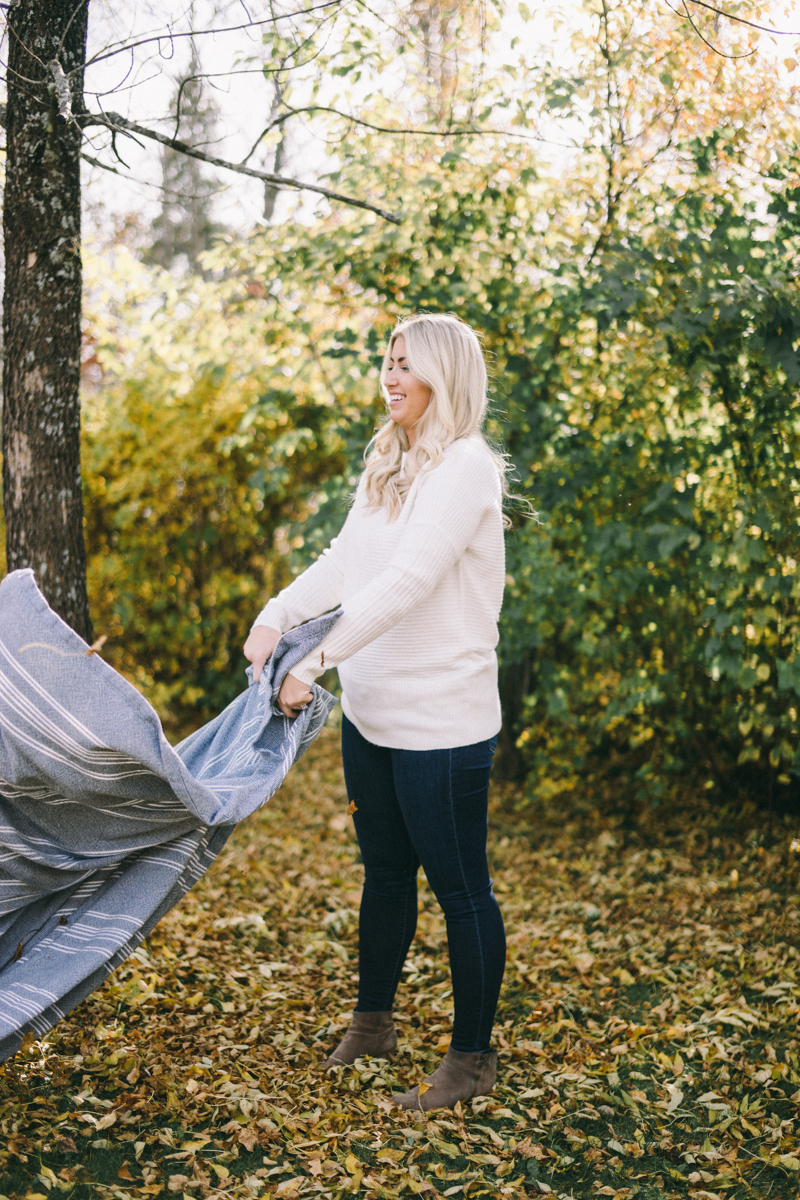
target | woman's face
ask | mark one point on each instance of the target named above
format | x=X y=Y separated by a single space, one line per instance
x=408 y=396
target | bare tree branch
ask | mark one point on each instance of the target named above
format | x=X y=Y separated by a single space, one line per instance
x=743 y=21
x=118 y=124
x=464 y=131
x=705 y=40
x=169 y=36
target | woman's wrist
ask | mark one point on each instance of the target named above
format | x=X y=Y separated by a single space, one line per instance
x=271 y=616
x=309 y=667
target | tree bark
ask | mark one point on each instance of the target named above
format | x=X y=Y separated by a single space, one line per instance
x=42 y=302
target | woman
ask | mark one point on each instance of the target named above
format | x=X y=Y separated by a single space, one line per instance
x=419 y=571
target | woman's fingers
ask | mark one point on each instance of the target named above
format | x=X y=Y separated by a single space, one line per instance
x=258 y=648
x=293 y=696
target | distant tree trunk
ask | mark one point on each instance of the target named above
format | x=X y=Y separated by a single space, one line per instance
x=515 y=680
x=185 y=227
x=42 y=302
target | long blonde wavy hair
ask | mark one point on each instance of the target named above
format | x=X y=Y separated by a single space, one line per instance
x=445 y=354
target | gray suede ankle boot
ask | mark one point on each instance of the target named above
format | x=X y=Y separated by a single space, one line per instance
x=459 y=1076
x=369 y=1033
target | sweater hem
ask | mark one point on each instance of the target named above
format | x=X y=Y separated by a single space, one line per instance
x=468 y=735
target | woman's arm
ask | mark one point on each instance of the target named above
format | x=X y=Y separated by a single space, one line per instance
x=448 y=509
x=318 y=589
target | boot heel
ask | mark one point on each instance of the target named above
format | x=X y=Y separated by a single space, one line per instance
x=369 y=1033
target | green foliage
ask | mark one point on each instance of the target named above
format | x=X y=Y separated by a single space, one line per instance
x=645 y=377
x=199 y=449
x=641 y=316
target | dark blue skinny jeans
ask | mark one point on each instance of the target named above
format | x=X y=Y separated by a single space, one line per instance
x=426 y=807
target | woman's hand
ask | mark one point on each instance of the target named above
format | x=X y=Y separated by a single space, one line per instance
x=293 y=696
x=259 y=646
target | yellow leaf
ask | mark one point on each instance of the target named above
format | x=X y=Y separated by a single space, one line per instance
x=351 y=808
x=219 y=1170
x=390 y=1156
x=445 y=1148
x=352 y=1164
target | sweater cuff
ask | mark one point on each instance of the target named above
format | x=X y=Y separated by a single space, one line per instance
x=309 y=667
x=272 y=616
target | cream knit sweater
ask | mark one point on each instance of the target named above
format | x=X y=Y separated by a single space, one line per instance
x=415 y=646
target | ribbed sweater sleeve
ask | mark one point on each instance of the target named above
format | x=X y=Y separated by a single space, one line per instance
x=317 y=590
x=449 y=505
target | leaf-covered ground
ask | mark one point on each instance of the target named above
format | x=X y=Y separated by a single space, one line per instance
x=647 y=1030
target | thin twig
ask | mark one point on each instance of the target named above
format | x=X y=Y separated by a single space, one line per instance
x=743 y=20
x=705 y=40
x=468 y=131
x=191 y=33
x=68 y=26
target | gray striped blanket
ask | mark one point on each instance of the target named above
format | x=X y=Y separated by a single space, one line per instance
x=103 y=825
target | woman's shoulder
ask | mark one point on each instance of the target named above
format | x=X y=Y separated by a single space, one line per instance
x=471 y=459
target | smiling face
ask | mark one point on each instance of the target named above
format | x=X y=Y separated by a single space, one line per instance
x=408 y=396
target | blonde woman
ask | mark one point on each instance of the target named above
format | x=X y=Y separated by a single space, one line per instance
x=418 y=569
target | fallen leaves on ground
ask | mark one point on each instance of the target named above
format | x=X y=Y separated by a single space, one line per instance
x=646 y=1035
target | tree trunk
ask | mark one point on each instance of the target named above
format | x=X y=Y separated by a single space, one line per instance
x=42 y=302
